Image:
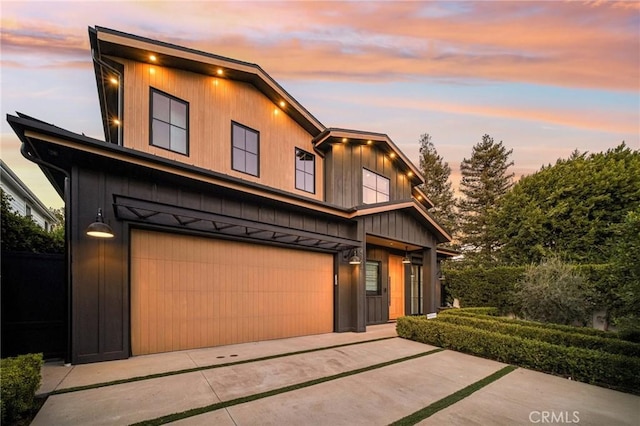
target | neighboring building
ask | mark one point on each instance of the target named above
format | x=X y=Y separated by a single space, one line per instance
x=237 y=215
x=23 y=201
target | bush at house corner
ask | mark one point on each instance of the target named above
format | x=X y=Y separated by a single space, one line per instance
x=20 y=378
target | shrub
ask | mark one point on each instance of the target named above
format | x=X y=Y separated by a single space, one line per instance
x=553 y=291
x=467 y=312
x=545 y=334
x=20 y=381
x=586 y=365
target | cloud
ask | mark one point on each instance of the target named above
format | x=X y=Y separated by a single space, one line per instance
x=571 y=44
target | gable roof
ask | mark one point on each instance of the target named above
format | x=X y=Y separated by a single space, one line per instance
x=106 y=43
x=384 y=142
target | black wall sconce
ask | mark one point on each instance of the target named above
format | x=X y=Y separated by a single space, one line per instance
x=353 y=256
x=99 y=229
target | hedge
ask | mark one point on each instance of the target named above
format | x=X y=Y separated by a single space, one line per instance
x=549 y=335
x=591 y=366
x=496 y=286
x=471 y=312
x=20 y=380
x=484 y=287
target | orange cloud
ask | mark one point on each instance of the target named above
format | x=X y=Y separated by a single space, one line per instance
x=594 y=45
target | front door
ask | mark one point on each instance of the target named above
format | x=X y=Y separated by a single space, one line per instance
x=396 y=287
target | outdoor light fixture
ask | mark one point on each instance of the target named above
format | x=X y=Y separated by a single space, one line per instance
x=99 y=229
x=355 y=259
x=406 y=260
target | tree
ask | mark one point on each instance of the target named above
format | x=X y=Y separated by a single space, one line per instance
x=484 y=182
x=21 y=233
x=555 y=292
x=569 y=209
x=625 y=261
x=437 y=185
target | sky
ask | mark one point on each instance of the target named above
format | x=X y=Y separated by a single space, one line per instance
x=544 y=77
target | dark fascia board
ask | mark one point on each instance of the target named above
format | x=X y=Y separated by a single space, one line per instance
x=113 y=43
x=97 y=69
x=23 y=123
x=447 y=253
x=420 y=212
x=425 y=200
x=335 y=135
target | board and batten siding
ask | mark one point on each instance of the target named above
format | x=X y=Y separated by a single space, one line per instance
x=344 y=165
x=213 y=104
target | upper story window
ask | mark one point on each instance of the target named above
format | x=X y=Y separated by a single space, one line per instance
x=169 y=122
x=305 y=171
x=375 y=188
x=245 y=156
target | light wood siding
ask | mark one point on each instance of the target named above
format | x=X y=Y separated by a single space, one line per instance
x=213 y=104
x=191 y=292
x=345 y=162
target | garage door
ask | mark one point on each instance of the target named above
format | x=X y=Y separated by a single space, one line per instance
x=192 y=292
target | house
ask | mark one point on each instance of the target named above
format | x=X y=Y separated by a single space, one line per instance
x=237 y=216
x=23 y=201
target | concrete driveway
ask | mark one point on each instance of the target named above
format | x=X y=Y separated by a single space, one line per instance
x=372 y=378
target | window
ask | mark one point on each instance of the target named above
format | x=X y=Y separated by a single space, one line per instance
x=372 y=278
x=27 y=210
x=169 y=122
x=417 y=303
x=245 y=149
x=305 y=171
x=375 y=188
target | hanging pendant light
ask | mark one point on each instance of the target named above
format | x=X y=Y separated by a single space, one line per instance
x=406 y=260
x=99 y=229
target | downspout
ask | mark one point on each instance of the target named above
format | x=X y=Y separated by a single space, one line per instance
x=67 y=246
x=115 y=71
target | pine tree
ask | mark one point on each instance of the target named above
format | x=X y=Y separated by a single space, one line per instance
x=484 y=182
x=437 y=186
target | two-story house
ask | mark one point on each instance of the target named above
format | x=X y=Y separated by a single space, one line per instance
x=23 y=201
x=237 y=216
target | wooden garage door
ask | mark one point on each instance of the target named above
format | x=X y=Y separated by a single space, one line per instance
x=192 y=292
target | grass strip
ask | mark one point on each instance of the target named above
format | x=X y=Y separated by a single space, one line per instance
x=443 y=403
x=207 y=367
x=223 y=404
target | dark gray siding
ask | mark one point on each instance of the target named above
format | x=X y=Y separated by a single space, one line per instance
x=343 y=174
x=398 y=225
x=100 y=268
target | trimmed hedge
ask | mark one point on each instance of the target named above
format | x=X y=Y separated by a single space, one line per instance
x=20 y=380
x=591 y=366
x=484 y=287
x=469 y=312
x=549 y=335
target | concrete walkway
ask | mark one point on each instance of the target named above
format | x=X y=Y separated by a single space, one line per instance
x=381 y=395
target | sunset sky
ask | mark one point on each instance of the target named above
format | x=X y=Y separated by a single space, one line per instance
x=544 y=77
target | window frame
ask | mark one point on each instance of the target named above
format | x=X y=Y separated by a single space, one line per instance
x=152 y=118
x=233 y=147
x=376 y=190
x=313 y=174
x=378 y=264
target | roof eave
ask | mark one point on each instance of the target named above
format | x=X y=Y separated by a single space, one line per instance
x=118 y=44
